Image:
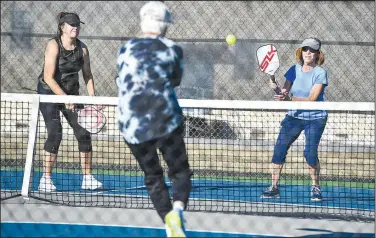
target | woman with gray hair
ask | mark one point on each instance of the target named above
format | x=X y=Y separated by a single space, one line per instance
x=149 y=115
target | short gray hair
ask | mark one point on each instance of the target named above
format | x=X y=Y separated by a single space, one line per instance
x=155 y=17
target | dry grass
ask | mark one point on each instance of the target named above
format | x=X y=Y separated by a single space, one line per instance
x=227 y=158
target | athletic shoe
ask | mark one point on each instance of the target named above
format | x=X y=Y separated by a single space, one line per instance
x=271 y=192
x=46 y=185
x=90 y=183
x=175 y=224
x=316 y=194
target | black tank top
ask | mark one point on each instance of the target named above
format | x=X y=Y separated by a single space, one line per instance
x=68 y=64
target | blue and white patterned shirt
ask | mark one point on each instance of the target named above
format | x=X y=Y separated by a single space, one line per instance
x=148 y=70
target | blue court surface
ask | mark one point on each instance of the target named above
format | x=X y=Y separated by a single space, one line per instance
x=236 y=191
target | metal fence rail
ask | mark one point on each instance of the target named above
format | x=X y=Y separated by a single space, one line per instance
x=213 y=70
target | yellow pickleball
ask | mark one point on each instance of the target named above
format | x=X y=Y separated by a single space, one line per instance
x=231 y=39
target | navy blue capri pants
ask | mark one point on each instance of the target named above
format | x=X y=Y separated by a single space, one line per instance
x=290 y=131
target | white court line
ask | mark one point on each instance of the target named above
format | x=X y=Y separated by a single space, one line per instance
x=9 y=190
x=123 y=189
x=120 y=190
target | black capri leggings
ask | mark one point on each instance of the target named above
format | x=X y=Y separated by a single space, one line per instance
x=51 y=116
x=174 y=153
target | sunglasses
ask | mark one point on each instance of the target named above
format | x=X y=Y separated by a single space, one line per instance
x=75 y=25
x=306 y=48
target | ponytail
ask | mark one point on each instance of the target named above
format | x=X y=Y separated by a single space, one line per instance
x=59 y=16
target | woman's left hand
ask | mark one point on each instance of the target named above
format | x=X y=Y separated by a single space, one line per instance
x=69 y=106
x=97 y=106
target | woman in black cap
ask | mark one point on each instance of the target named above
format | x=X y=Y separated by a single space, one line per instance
x=65 y=56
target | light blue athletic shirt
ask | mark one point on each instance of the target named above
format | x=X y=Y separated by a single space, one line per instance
x=302 y=83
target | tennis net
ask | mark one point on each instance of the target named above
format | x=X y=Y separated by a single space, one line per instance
x=229 y=144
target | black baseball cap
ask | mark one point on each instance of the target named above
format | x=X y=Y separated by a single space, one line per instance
x=71 y=19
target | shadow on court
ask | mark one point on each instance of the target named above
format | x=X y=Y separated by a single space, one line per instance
x=70 y=230
x=74 y=230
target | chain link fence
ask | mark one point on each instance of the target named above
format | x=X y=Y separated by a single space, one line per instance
x=228 y=149
x=213 y=70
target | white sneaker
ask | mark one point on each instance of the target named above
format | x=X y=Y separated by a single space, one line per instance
x=89 y=182
x=46 y=185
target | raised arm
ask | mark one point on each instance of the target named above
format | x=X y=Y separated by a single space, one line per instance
x=274 y=85
x=50 y=57
x=86 y=71
x=290 y=76
x=284 y=92
x=287 y=87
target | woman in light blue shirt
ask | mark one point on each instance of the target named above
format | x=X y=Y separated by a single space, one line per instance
x=306 y=81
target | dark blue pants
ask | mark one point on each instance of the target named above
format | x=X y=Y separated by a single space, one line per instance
x=290 y=131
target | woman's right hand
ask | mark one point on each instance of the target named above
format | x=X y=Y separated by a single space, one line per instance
x=69 y=106
x=283 y=96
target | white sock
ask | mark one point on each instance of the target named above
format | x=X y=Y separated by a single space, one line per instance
x=178 y=205
x=46 y=176
x=87 y=176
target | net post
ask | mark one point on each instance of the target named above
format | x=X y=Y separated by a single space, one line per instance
x=30 y=147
